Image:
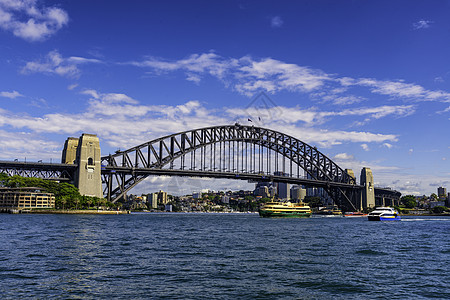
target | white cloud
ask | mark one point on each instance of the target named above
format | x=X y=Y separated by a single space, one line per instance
x=313 y=116
x=25 y=19
x=273 y=75
x=249 y=76
x=55 y=63
x=194 y=65
x=444 y=111
x=122 y=121
x=344 y=156
x=422 y=24
x=400 y=89
x=391 y=176
x=11 y=95
x=72 y=86
x=365 y=147
x=387 y=145
x=21 y=145
x=276 y=22
x=342 y=100
x=82 y=60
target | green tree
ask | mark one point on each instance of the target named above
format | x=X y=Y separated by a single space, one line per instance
x=313 y=201
x=3 y=179
x=409 y=201
x=264 y=200
x=439 y=209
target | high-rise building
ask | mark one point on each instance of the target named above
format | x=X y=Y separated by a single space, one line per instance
x=298 y=193
x=162 y=197
x=283 y=189
x=442 y=193
x=262 y=191
x=152 y=199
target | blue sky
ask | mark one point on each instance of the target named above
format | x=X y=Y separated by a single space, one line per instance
x=367 y=82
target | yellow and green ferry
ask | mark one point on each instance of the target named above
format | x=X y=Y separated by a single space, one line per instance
x=285 y=210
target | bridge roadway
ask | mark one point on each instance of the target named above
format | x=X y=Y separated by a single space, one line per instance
x=226 y=175
x=53 y=171
x=66 y=172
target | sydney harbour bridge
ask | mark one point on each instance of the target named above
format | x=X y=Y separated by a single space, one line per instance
x=234 y=151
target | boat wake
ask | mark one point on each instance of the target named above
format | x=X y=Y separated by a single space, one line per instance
x=423 y=219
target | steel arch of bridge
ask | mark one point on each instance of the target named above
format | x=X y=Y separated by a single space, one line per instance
x=230 y=151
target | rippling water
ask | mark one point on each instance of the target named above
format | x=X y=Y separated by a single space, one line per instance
x=222 y=256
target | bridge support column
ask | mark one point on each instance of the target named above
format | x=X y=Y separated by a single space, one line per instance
x=85 y=152
x=368 y=192
x=69 y=154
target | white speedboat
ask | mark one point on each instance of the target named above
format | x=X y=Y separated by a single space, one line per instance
x=384 y=214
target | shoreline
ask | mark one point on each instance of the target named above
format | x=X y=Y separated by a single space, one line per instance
x=71 y=212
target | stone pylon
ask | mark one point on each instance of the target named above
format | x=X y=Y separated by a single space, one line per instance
x=69 y=154
x=85 y=152
x=368 y=192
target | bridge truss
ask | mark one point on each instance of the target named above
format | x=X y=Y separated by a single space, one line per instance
x=57 y=172
x=231 y=151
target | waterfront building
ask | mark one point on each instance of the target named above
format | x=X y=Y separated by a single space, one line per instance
x=283 y=189
x=162 y=197
x=152 y=200
x=272 y=191
x=262 y=191
x=25 y=198
x=196 y=195
x=225 y=199
x=298 y=193
x=442 y=193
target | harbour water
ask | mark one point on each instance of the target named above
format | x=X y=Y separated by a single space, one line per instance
x=222 y=256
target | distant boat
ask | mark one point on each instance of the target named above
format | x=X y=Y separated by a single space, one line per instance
x=330 y=211
x=285 y=210
x=384 y=214
x=355 y=214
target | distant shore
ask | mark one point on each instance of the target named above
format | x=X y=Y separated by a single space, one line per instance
x=72 y=211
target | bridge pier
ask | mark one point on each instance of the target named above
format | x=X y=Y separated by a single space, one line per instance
x=85 y=152
x=368 y=191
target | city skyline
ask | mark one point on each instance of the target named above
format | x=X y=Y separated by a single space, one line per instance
x=365 y=82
